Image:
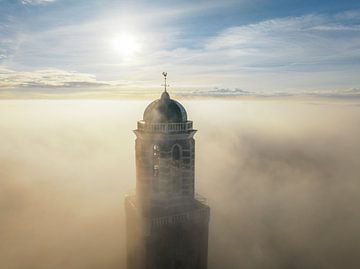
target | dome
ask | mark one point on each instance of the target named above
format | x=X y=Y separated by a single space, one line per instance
x=165 y=110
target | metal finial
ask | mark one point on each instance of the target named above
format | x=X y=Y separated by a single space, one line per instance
x=165 y=85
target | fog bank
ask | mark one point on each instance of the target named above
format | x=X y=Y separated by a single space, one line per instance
x=281 y=178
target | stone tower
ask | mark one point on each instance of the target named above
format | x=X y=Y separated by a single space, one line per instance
x=166 y=222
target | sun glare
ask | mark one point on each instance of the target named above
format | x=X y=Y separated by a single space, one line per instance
x=126 y=45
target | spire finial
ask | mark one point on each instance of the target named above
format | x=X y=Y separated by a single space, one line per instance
x=165 y=85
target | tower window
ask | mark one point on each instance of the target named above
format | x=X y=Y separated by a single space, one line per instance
x=156 y=155
x=156 y=150
x=176 y=155
x=156 y=171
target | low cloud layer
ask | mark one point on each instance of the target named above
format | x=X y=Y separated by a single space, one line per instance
x=54 y=83
x=48 y=78
x=281 y=178
x=350 y=94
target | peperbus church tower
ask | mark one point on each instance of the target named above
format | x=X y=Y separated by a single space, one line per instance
x=166 y=222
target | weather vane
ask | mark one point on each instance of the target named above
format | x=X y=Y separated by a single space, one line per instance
x=165 y=85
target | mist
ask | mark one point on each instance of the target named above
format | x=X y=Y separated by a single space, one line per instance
x=281 y=178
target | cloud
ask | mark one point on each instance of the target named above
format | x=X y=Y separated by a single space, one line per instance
x=343 y=94
x=298 y=53
x=36 y=2
x=55 y=83
x=353 y=93
x=59 y=83
x=289 y=42
x=218 y=92
x=50 y=78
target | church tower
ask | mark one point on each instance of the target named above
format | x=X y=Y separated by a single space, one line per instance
x=166 y=222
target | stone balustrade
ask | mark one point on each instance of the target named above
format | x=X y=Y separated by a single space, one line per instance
x=164 y=127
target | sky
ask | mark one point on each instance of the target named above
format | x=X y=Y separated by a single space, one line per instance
x=63 y=48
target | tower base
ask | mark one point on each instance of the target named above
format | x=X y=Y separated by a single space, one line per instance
x=167 y=238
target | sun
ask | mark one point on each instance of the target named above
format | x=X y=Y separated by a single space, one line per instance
x=126 y=45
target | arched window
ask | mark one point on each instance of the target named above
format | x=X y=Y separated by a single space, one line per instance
x=176 y=155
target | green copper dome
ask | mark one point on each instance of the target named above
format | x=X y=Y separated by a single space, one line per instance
x=165 y=110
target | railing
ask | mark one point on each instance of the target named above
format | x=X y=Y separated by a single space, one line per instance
x=201 y=214
x=164 y=127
